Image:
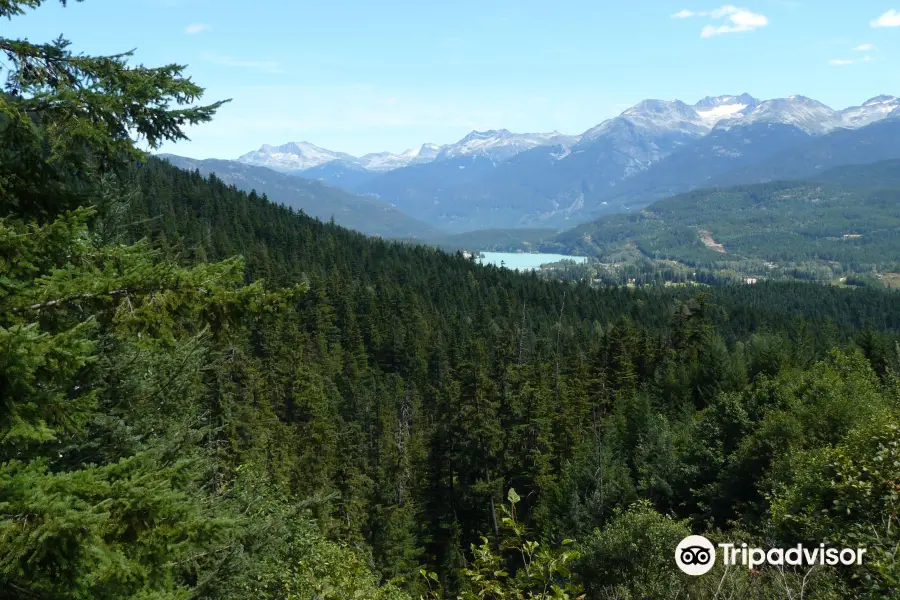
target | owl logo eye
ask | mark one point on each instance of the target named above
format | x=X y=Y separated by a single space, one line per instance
x=695 y=555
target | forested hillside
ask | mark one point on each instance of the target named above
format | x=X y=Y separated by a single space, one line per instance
x=415 y=386
x=206 y=395
x=809 y=230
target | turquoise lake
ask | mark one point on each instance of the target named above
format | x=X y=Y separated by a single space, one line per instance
x=517 y=261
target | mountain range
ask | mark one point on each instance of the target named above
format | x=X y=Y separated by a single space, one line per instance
x=301 y=156
x=657 y=116
x=656 y=148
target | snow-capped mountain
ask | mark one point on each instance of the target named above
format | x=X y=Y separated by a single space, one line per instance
x=303 y=156
x=722 y=130
x=807 y=114
x=655 y=117
x=386 y=161
x=501 y=144
x=649 y=132
x=872 y=110
x=726 y=112
x=293 y=156
x=661 y=115
x=650 y=116
x=498 y=145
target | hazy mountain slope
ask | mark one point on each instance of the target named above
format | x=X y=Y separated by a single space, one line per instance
x=699 y=163
x=869 y=144
x=553 y=186
x=880 y=175
x=314 y=198
x=422 y=190
x=544 y=186
x=339 y=173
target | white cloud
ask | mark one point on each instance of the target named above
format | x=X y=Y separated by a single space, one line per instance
x=865 y=48
x=889 y=19
x=839 y=62
x=265 y=66
x=196 y=28
x=736 y=20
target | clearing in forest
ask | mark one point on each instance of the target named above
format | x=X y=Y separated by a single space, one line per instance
x=709 y=242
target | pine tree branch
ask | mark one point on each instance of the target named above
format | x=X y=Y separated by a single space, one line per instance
x=85 y=296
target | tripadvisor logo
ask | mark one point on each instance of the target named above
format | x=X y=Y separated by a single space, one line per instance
x=696 y=555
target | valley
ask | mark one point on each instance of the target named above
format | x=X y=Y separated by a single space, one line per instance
x=587 y=194
x=513 y=366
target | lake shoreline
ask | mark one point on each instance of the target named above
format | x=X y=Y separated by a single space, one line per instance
x=519 y=261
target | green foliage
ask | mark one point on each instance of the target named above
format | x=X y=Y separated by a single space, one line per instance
x=128 y=529
x=523 y=568
x=632 y=555
x=97 y=501
x=849 y=495
x=805 y=230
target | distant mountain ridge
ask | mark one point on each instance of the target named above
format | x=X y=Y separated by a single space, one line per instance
x=653 y=149
x=501 y=179
x=497 y=145
x=658 y=115
x=314 y=198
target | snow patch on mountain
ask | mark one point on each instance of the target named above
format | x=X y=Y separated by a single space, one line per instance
x=716 y=108
x=718 y=113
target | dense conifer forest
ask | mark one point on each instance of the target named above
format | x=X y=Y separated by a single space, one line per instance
x=206 y=395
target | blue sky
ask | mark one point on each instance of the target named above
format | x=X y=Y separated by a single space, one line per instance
x=363 y=76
